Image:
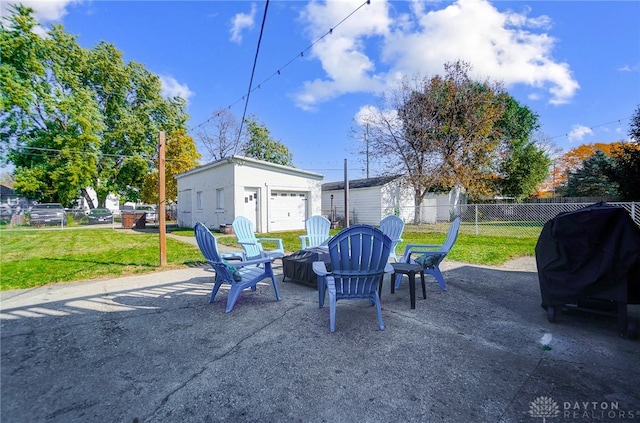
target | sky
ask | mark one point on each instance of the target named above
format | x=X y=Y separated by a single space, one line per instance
x=321 y=64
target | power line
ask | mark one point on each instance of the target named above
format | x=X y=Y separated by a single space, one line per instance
x=279 y=70
x=594 y=126
x=253 y=70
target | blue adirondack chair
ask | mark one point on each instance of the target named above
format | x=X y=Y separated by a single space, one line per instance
x=392 y=226
x=240 y=275
x=359 y=258
x=431 y=255
x=317 y=232
x=252 y=246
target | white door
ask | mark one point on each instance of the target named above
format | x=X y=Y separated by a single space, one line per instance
x=251 y=206
x=288 y=210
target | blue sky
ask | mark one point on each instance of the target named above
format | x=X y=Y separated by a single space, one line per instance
x=575 y=63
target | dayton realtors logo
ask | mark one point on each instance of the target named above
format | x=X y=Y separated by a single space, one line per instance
x=547 y=407
x=544 y=407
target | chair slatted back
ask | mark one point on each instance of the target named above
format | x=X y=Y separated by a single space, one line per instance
x=452 y=235
x=245 y=234
x=358 y=257
x=209 y=247
x=392 y=226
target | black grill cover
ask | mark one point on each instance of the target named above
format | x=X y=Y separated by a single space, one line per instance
x=299 y=265
x=592 y=252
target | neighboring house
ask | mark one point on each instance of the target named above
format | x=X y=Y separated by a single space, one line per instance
x=272 y=196
x=8 y=196
x=372 y=199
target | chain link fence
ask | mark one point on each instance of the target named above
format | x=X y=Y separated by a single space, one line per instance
x=512 y=219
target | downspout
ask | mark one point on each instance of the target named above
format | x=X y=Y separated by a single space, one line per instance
x=267 y=201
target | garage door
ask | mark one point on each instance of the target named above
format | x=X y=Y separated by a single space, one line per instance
x=288 y=210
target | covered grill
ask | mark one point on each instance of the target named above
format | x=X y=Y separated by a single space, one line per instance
x=590 y=259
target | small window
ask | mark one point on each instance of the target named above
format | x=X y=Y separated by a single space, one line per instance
x=199 y=200
x=220 y=198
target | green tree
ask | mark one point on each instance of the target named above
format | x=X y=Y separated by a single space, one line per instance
x=446 y=130
x=75 y=118
x=627 y=171
x=261 y=146
x=634 y=127
x=524 y=165
x=627 y=160
x=181 y=155
x=594 y=178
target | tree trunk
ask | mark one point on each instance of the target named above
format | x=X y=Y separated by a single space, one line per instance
x=87 y=198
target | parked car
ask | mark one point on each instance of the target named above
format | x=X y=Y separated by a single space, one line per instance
x=100 y=216
x=150 y=210
x=47 y=214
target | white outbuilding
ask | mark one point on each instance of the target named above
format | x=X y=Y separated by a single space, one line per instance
x=372 y=199
x=274 y=197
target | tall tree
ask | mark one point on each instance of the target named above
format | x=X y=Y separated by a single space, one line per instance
x=181 y=155
x=443 y=131
x=219 y=135
x=573 y=160
x=261 y=146
x=627 y=160
x=75 y=118
x=48 y=119
x=594 y=178
x=634 y=126
x=523 y=164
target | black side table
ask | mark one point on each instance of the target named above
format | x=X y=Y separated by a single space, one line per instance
x=410 y=270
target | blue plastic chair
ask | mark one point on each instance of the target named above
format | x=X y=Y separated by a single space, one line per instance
x=317 y=232
x=240 y=275
x=392 y=226
x=359 y=258
x=431 y=255
x=252 y=246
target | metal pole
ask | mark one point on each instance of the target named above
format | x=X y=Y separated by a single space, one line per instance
x=346 y=195
x=476 y=219
x=162 y=226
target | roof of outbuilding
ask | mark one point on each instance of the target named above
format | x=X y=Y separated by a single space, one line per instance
x=6 y=190
x=240 y=160
x=360 y=183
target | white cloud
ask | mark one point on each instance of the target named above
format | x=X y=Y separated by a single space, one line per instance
x=45 y=10
x=240 y=22
x=172 y=88
x=629 y=68
x=342 y=53
x=578 y=132
x=509 y=46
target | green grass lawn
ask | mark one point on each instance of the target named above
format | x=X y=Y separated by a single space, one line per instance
x=31 y=258
x=37 y=257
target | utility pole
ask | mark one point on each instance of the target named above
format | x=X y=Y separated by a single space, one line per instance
x=162 y=225
x=366 y=141
x=346 y=195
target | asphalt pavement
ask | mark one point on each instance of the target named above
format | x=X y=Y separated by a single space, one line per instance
x=151 y=348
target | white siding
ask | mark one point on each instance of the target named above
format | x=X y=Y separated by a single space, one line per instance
x=235 y=177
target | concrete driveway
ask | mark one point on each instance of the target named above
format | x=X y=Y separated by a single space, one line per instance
x=152 y=349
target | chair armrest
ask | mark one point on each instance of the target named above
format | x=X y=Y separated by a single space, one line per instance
x=240 y=264
x=420 y=249
x=320 y=268
x=303 y=241
x=278 y=242
x=421 y=246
